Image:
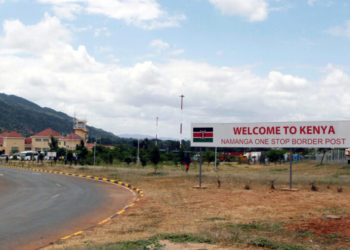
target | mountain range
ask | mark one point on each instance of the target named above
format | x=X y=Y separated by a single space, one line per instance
x=28 y=118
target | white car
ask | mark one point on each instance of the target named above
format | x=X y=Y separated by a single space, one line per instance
x=4 y=157
x=29 y=155
x=15 y=156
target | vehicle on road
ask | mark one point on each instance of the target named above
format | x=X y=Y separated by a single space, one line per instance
x=4 y=157
x=16 y=156
x=29 y=155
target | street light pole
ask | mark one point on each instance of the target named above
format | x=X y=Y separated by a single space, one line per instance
x=95 y=153
x=138 y=152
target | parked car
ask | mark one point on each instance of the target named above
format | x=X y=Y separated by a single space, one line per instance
x=29 y=155
x=4 y=157
x=16 y=156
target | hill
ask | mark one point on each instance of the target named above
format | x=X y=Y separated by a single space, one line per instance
x=28 y=118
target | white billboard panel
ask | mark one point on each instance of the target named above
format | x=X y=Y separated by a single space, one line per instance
x=317 y=134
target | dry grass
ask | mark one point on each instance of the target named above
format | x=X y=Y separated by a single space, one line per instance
x=248 y=218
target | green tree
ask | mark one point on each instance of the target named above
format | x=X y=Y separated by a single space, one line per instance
x=70 y=157
x=275 y=155
x=82 y=152
x=143 y=157
x=209 y=156
x=155 y=157
x=182 y=155
x=53 y=144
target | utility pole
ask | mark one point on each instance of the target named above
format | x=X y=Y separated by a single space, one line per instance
x=156 y=130
x=95 y=153
x=138 y=152
x=181 y=106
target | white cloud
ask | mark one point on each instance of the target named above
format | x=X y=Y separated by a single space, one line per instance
x=146 y=14
x=159 y=44
x=253 y=10
x=343 y=30
x=49 y=33
x=67 y=11
x=127 y=99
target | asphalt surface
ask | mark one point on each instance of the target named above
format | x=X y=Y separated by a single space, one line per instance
x=34 y=206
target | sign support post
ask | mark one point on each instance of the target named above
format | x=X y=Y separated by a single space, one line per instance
x=200 y=167
x=291 y=170
x=216 y=153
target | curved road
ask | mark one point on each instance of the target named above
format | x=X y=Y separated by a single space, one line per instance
x=37 y=208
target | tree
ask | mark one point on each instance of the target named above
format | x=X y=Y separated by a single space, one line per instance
x=209 y=156
x=275 y=155
x=61 y=152
x=53 y=144
x=182 y=155
x=70 y=157
x=82 y=152
x=155 y=157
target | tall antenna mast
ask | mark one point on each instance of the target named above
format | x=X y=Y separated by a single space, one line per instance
x=74 y=121
x=182 y=106
x=157 y=130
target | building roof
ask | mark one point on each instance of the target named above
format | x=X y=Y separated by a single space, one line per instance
x=72 y=136
x=47 y=133
x=12 y=134
x=28 y=141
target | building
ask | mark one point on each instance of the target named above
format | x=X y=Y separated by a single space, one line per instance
x=70 y=141
x=41 y=140
x=11 y=142
x=80 y=129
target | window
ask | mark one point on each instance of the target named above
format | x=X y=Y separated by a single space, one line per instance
x=37 y=149
x=14 y=150
x=46 y=149
x=37 y=139
x=45 y=139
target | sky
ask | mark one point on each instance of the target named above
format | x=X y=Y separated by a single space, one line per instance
x=119 y=64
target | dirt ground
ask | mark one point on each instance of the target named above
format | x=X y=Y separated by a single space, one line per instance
x=231 y=215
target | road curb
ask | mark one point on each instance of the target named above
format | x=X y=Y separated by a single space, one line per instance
x=138 y=192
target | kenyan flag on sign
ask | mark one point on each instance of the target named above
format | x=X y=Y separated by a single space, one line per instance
x=203 y=134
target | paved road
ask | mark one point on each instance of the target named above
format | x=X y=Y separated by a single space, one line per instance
x=36 y=208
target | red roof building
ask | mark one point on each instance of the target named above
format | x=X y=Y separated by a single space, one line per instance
x=72 y=136
x=11 y=142
x=12 y=134
x=47 y=133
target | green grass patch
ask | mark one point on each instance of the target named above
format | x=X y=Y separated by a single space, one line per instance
x=183 y=238
x=130 y=245
x=265 y=243
x=260 y=227
x=214 y=218
x=152 y=243
x=345 y=167
x=278 y=170
x=319 y=165
x=304 y=233
x=334 y=211
x=157 y=174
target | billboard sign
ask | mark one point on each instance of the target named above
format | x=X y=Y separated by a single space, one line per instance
x=317 y=134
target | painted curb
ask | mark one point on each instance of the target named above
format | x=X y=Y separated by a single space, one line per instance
x=131 y=188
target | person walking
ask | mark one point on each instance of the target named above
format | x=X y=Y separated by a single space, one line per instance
x=187 y=162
